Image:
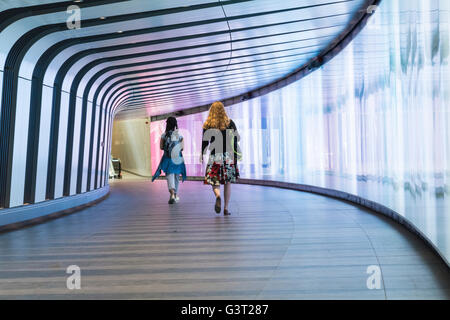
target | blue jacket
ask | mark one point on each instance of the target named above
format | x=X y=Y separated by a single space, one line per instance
x=172 y=140
x=166 y=164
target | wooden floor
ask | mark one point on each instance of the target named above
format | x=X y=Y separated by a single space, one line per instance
x=278 y=244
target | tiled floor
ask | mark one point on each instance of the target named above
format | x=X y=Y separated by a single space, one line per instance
x=426 y=210
x=278 y=244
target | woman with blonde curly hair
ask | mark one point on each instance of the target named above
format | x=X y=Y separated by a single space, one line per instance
x=220 y=134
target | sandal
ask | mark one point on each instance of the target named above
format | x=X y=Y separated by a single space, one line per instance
x=226 y=212
x=217 y=207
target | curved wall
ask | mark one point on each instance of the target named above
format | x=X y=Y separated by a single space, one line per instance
x=373 y=122
x=67 y=69
x=54 y=142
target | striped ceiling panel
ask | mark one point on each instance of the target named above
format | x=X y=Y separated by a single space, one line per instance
x=145 y=58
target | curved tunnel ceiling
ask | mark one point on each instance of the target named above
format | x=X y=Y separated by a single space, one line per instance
x=146 y=58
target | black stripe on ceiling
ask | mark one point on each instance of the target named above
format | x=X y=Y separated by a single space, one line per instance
x=209 y=94
x=166 y=83
x=172 y=97
x=111 y=87
x=231 y=39
x=76 y=57
x=163 y=87
x=302 y=20
x=91 y=65
x=201 y=80
x=148 y=95
x=147 y=64
x=240 y=69
x=358 y=23
x=245 y=84
x=205 y=62
x=147 y=77
x=212 y=53
x=126 y=94
x=9 y=16
x=138 y=91
x=183 y=100
x=142 y=91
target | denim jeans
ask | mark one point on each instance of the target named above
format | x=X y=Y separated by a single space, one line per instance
x=172 y=181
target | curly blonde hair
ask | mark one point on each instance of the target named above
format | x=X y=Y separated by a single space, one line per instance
x=217 y=118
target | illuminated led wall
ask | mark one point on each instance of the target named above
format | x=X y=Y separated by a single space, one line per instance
x=373 y=122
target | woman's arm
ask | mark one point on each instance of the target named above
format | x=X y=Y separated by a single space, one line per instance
x=236 y=139
x=204 y=143
x=161 y=143
x=204 y=146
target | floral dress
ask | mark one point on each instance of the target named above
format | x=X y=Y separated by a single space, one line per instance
x=222 y=164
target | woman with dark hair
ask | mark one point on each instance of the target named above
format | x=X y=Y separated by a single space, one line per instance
x=220 y=134
x=172 y=162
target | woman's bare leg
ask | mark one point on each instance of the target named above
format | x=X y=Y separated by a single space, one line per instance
x=216 y=190
x=217 y=205
x=171 y=184
x=227 y=194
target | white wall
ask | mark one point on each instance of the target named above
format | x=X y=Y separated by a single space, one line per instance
x=131 y=143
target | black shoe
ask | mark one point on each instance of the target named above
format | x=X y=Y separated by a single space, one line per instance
x=218 y=205
x=171 y=200
x=226 y=212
